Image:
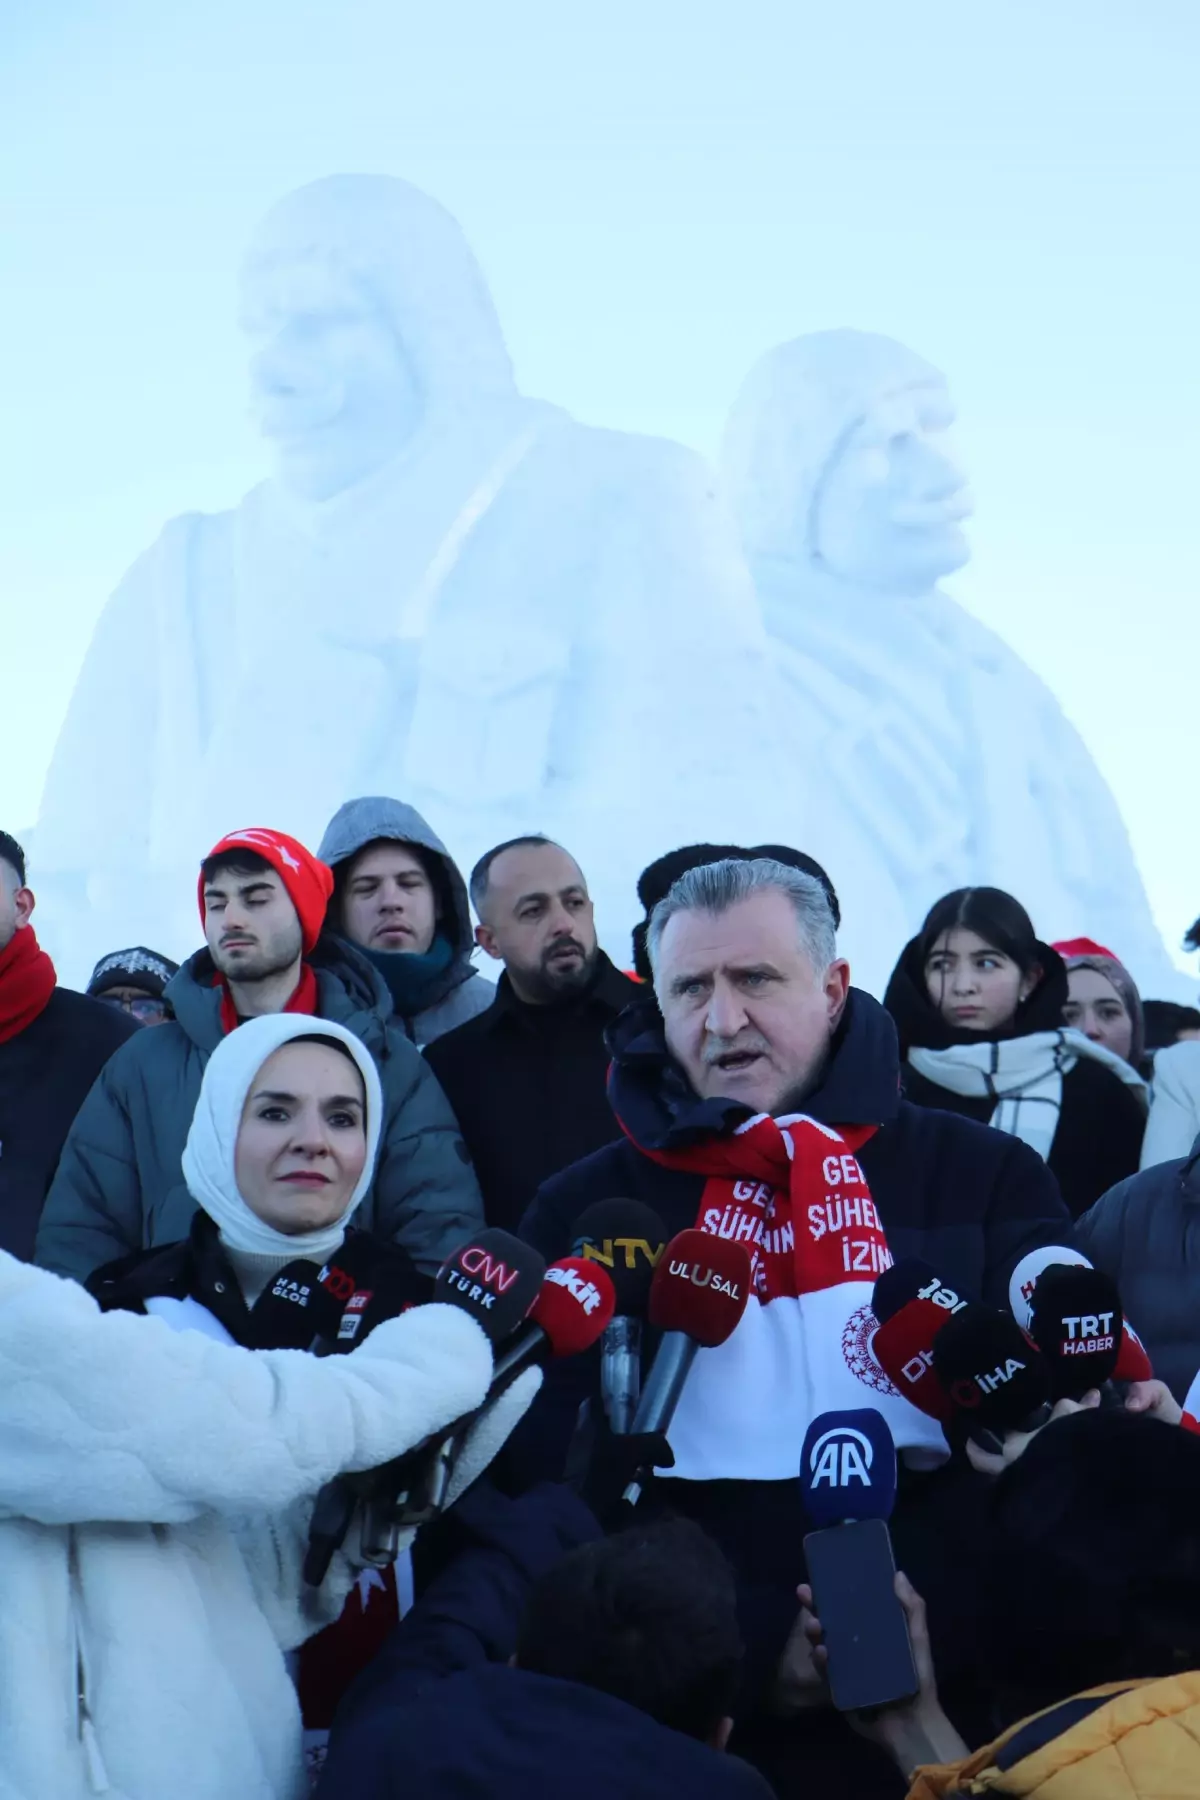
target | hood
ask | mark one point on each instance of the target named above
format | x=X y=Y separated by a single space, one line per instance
x=921 y=1026
x=656 y=1107
x=798 y=406
x=495 y=1733
x=351 y=992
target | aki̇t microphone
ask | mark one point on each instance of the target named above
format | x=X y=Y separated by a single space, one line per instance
x=903 y=1348
x=997 y=1380
x=911 y=1279
x=1024 y=1277
x=627 y=1239
x=1077 y=1325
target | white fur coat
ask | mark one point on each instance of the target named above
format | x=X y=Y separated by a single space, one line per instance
x=142 y=1658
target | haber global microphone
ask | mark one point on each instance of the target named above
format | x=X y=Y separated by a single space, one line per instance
x=996 y=1379
x=1078 y=1326
x=848 y=1484
x=697 y=1299
x=626 y=1239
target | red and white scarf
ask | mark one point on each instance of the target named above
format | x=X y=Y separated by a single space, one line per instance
x=793 y=1191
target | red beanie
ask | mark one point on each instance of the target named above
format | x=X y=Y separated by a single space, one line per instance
x=1070 y=947
x=308 y=882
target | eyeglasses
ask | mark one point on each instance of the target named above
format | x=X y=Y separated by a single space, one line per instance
x=146 y=1011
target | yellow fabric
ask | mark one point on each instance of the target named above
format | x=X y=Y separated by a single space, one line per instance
x=1143 y=1745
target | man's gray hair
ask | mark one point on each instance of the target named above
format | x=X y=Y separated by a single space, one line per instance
x=715 y=887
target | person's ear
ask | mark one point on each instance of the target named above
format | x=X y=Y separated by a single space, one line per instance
x=485 y=937
x=25 y=903
x=720 y=1736
x=837 y=987
x=1029 y=981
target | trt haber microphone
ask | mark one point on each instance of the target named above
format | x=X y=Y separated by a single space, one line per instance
x=697 y=1298
x=1024 y=1277
x=1077 y=1325
x=912 y=1279
x=903 y=1348
x=627 y=1239
x=997 y=1380
x=848 y=1482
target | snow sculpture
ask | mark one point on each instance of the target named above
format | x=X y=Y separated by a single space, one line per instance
x=927 y=754
x=445 y=591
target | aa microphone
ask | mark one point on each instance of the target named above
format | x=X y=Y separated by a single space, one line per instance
x=1025 y=1276
x=911 y=1279
x=1077 y=1324
x=903 y=1348
x=997 y=1380
x=627 y=1239
x=848 y=1486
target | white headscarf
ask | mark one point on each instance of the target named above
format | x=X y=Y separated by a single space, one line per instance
x=210 y=1153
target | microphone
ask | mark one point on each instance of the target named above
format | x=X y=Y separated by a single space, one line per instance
x=1133 y=1361
x=903 y=1348
x=848 y=1485
x=627 y=1239
x=697 y=1298
x=571 y=1310
x=1024 y=1277
x=995 y=1377
x=1077 y=1325
x=911 y=1279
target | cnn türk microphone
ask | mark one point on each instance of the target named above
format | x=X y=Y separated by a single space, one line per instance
x=495 y=1277
x=848 y=1485
x=912 y=1279
x=1024 y=1277
x=697 y=1299
x=995 y=1377
x=627 y=1239
x=1077 y=1325
x=903 y=1348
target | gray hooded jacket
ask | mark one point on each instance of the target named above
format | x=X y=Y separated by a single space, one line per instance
x=119 y=1186
x=459 y=992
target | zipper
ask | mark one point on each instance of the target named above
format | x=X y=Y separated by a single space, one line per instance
x=85 y=1728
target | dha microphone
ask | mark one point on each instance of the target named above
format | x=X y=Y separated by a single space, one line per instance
x=1078 y=1326
x=627 y=1239
x=997 y=1380
x=1133 y=1361
x=848 y=1483
x=911 y=1279
x=1029 y=1270
x=903 y=1348
x=697 y=1298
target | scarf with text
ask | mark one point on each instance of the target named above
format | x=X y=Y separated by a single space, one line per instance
x=27 y=981
x=304 y=1000
x=793 y=1191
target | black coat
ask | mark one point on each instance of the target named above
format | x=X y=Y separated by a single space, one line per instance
x=46 y=1072
x=1101 y=1123
x=527 y=1085
x=1145 y=1234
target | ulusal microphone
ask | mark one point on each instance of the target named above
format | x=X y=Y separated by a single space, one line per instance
x=995 y=1377
x=1077 y=1325
x=1133 y=1361
x=848 y=1487
x=626 y=1239
x=1024 y=1277
x=910 y=1279
x=903 y=1349
x=697 y=1298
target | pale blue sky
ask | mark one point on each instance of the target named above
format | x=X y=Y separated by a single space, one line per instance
x=658 y=191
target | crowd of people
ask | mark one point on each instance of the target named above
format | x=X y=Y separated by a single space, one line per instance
x=260 y=1215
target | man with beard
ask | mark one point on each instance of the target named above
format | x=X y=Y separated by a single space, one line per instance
x=119 y=1186
x=526 y=1077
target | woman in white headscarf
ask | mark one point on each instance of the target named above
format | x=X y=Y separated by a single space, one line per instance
x=156 y=1485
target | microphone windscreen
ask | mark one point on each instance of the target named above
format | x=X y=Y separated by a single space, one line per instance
x=627 y=1239
x=903 y=1348
x=1077 y=1325
x=573 y=1305
x=848 y=1468
x=494 y=1277
x=1133 y=1361
x=994 y=1376
x=1024 y=1277
x=294 y=1308
x=701 y=1287
x=912 y=1279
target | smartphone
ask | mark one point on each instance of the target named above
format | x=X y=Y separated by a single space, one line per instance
x=852 y=1573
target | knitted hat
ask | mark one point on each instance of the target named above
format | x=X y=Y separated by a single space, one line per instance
x=656 y=882
x=1069 y=947
x=139 y=968
x=308 y=882
x=11 y=852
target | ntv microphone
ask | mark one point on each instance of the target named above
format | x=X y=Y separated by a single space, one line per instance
x=697 y=1298
x=848 y=1487
x=626 y=1239
x=493 y=1277
x=996 y=1378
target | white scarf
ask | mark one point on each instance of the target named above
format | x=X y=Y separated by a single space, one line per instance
x=1023 y=1075
x=210 y=1152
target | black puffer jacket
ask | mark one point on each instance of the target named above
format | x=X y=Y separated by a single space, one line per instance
x=1145 y=1233
x=1102 y=1121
